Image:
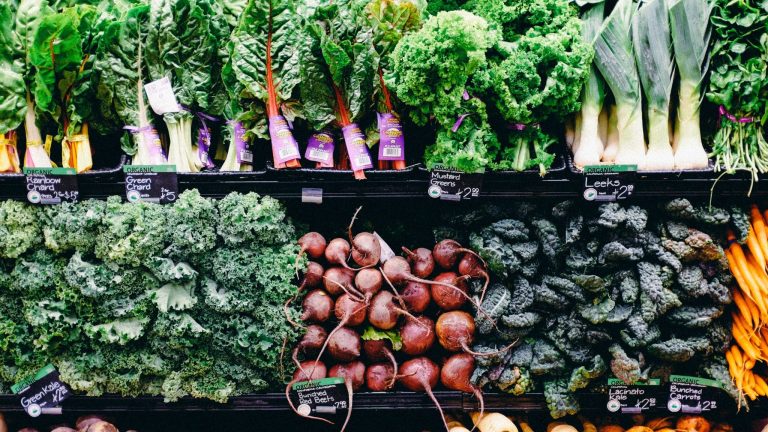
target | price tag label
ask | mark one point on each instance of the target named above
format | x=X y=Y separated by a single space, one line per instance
x=43 y=392
x=636 y=398
x=312 y=195
x=452 y=185
x=151 y=183
x=693 y=395
x=51 y=185
x=609 y=182
x=323 y=396
x=161 y=97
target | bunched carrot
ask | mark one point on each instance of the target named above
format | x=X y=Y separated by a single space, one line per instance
x=758 y=223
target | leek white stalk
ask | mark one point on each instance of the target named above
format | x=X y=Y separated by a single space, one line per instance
x=691 y=32
x=612 y=133
x=614 y=57
x=603 y=126
x=576 y=132
x=656 y=68
x=570 y=132
x=589 y=146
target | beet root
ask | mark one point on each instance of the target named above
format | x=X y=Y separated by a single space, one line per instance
x=337 y=251
x=314 y=244
x=317 y=307
x=313 y=340
x=380 y=377
x=310 y=370
x=455 y=331
x=418 y=335
x=353 y=371
x=421 y=261
x=366 y=250
x=369 y=281
x=471 y=265
x=338 y=280
x=456 y=374
x=344 y=344
x=422 y=374
x=383 y=313
x=451 y=293
x=351 y=309
x=448 y=252
x=313 y=276
x=381 y=351
x=417 y=297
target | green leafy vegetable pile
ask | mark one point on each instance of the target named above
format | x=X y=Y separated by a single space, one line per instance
x=142 y=299
x=623 y=290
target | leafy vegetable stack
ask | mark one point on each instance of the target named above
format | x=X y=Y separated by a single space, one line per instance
x=266 y=62
x=739 y=85
x=622 y=289
x=342 y=59
x=143 y=299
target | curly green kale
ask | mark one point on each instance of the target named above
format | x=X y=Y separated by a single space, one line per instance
x=191 y=225
x=470 y=148
x=19 y=228
x=73 y=227
x=132 y=233
x=250 y=218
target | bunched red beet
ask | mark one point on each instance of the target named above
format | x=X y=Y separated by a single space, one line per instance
x=455 y=331
x=337 y=251
x=368 y=281
x=366 y=248
x=417 y=297
x=310 y=370
x=344 y=344
x=353 y=371
x=313 y=244
x=380 y=377
x=453 y=296
x=381 y=351
x=350 y=308
x=456 y=374
x=338 y=280
x=383 y=314
x=471 y=265
x=317 y=307
x=448 y=252
x=313 y=340
x=418 y=335
x=422 y=374
x=421 y=261
x=313 y=276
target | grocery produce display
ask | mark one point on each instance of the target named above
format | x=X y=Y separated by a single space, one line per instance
x=502 y=225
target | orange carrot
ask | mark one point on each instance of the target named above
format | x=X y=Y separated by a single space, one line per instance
x=758 y=223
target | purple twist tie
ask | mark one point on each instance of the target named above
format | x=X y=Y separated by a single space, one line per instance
x=458 y=123
x=724 y=113
x=466 y=95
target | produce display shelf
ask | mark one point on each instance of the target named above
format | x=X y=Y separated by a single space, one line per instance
x=413 y=185
x=364 y=401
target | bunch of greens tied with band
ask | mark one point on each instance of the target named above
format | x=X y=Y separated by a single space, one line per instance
x=616 y=290
x=144 y=299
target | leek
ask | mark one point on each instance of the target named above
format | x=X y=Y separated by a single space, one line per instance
x=690 y=36
x=588 y=145
x=656 y=67
x=614 y=56
x=612 y=135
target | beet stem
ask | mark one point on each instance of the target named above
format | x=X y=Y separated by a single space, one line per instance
x=290 y=403
x=350 y=392
x=394 y=290
x=357 y=295
x=295 y=358
x=428 y=390
x=485 y=285
x=488 y=354
x=409 y=252
x=282 y=355
x=409 y=315
x=394 y=366
x=287 y=313
x=471 y=252
x=298 y=258
x=342 y=323
x=351 y=223
x=479 y=395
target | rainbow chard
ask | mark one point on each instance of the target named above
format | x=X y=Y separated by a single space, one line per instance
x=29 y=14
x=390 y=20
x=265 y=60
x=13 y=103
x=182 y=44
x=346 y=61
